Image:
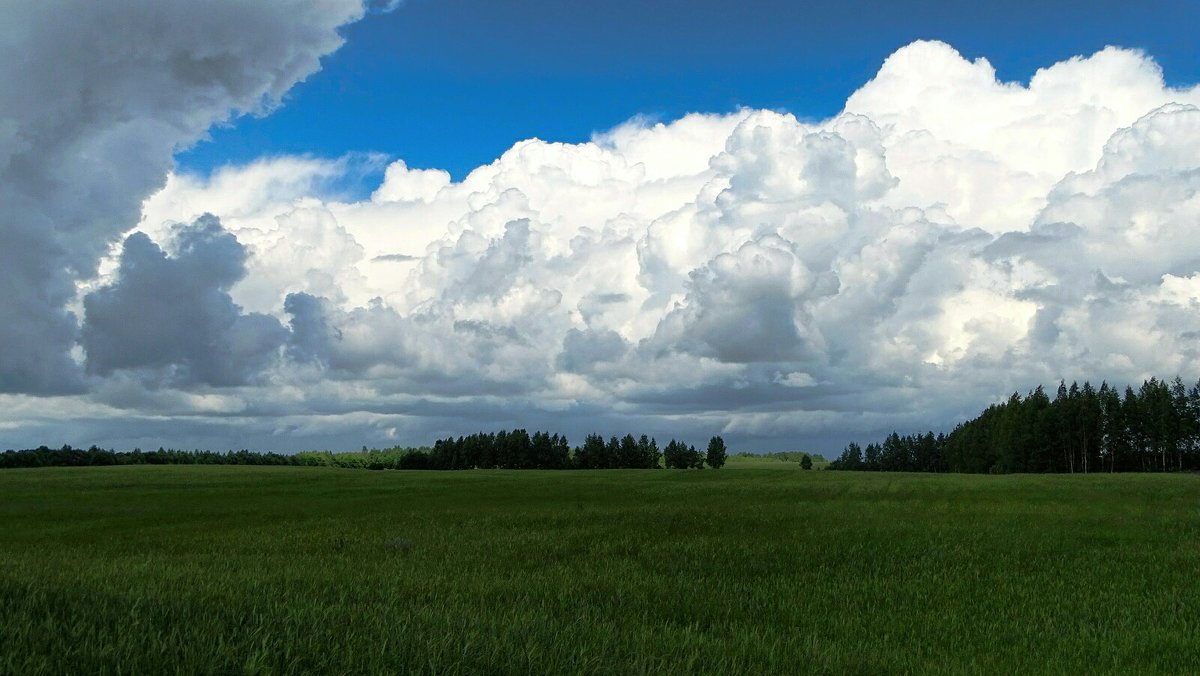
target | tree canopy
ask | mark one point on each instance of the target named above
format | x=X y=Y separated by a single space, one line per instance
x=1155 y=428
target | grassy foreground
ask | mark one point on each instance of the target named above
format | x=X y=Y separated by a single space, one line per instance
x=227 y=569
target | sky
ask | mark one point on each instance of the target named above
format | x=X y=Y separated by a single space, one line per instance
x=293 y=225
x=452 y=84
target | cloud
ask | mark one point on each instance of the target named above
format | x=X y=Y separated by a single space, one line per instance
x=743 y=307
x=989 y=150
x=401 y=184
x=944 y=240
x=98 y=98
x=170 y=317
x=583 y=350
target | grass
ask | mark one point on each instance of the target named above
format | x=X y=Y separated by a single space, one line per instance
x=153 y=569
x=768 y=462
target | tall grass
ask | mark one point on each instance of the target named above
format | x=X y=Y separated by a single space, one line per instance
x=258 y=569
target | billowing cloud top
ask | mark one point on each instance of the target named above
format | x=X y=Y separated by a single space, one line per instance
x=944 y=240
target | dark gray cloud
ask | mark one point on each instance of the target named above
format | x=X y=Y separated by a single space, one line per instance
x=95 y=97
x=743 y=307
x=171 y=318
x=422 y=353
x=312 y=338
x=582 y=350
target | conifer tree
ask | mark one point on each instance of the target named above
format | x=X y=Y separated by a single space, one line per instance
x=716 y=453
x=674 y=455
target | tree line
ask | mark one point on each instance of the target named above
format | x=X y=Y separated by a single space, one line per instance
x=67 y=456
x=517 y=449
x=1155 y=428
x=507 y=449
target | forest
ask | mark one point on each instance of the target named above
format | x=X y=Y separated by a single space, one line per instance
x=1155 y=428
x=515 y=449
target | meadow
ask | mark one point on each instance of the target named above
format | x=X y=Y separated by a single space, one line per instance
x=749 y=569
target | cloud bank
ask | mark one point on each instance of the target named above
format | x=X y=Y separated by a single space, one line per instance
x=98 y=97
x=946 y=239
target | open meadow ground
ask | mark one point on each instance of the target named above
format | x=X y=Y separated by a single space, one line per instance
x=151 y=569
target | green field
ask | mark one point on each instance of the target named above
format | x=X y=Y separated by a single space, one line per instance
x=759 y=462
x=151 y=569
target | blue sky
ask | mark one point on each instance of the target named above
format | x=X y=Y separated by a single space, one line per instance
x=453 y=83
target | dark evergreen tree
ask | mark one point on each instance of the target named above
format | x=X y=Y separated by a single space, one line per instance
x=628 y=456
x=850 y=459
x=871 y=458
x=612 y=453
x=675 y=455
x=648 y=454
x=541 y=450
x=717 y=453
x=591 y=455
